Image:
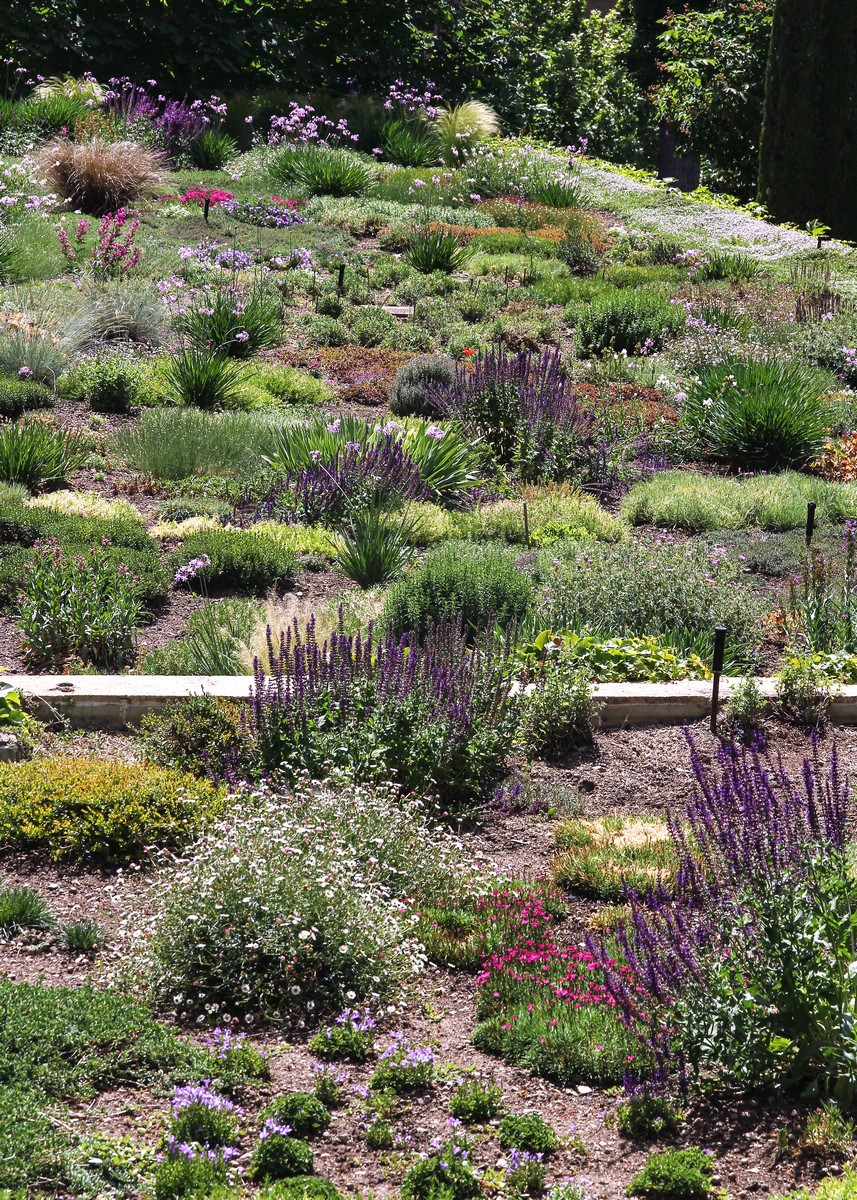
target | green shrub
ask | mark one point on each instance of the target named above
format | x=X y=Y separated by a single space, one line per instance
x=108 y=383
x=631 y=321
x=214 y=931
x=404 y=1068
x=688 y=500
x=32 y=1150
x=527 y=1131
x=212 y=150
x=34 y=454
x=675 y=1175
x=410 y=393
x=189 y=1178
x=320 y=170
x=301 y=1187
x=476 y=1102
x=323 y=331
x=643 y=588
x=645 y=1117
x=179 y=443
x=372 y=326
x=758 y=412
x=18 y=396
x=279 y=1156
x=195 y=734
x=306 y=1115
x=239 y=559
x=79 y=809
x=559 y=712
x=578 y=254
x=446 y=1175
x=457 y=580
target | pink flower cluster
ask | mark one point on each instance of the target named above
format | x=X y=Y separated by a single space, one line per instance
x=203 y=195
x=304 y=125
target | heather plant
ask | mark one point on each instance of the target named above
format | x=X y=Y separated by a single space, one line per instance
x=78 y=604
x=758 y=413
x=434 y=716
x=687 y=500
x=169 y=444
x=33 y=453
x=350 y=1038
x=18 y=396
x=524 y=407
x=761 y=874
x=338 y=858
x=459 y=581
x=245 y=560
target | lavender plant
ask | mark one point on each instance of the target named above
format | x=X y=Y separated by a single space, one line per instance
x=746 y=976
x=434 y=716
x=524 y=408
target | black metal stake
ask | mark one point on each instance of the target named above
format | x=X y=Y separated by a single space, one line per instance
x=717 y=671
x=810 y=520
x=340 y=283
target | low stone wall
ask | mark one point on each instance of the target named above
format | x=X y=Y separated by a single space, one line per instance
x=120 y=701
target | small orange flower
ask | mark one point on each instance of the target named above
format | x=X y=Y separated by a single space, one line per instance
x=467 y=353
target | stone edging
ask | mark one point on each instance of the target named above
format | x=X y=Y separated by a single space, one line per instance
x=118 y=701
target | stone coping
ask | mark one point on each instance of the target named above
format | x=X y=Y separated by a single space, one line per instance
x=120 y=701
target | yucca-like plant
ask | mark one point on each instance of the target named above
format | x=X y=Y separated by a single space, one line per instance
x=374 y=546
x=759 y=412
x=448 y=462
x=436 y=250
x=201 y=378
x=462 y=128
x=212 y=150
x=409 y=144
x=33 y=453
x=321 y=171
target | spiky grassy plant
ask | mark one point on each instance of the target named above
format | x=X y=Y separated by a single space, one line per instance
x=96 y=176
x=34 y=453
x=22 y=908
x=462 y=128
x=374 y=547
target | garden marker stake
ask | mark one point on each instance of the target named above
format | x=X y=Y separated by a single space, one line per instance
x=526 y=525
x=810 y=520
x=717 y=670
x=340 y=283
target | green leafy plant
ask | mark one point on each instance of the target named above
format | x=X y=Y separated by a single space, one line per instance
x=178 y=443
x=629 y=321
x=446 y=1175
x=350 y=1039
x=675 y=1175
x=189 y=734
x=379 y=1133
x=107 y=382
x=758 y=412
x=558 y=710
x=475 y=1102
x=211 y=150
x=34 y=454
x=11 y=708
x=18 y=396
x=246 y=560
x=403 y=1068
x=527 y=1131
x=646 y=1117
x=304 y=1114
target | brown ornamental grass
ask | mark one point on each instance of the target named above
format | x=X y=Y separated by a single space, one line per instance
x=96 y=176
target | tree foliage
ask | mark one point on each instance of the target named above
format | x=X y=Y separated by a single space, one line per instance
x=808 y=156
x=712 y=85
